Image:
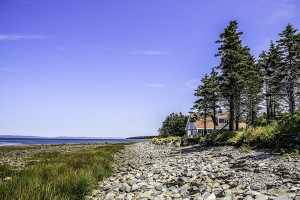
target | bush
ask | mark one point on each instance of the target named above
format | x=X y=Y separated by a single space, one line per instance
x=174 y=125
x=289 y=124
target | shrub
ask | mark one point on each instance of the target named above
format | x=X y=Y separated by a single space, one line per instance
x=174 y=125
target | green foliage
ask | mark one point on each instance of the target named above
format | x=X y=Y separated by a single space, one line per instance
x=269 y=135
x=222 y=136
x=291 y=153
x=289 y=124
x=271 y=66
x=59 y=176
x=290 y=52
x=217 y=149
x=245 y=148
x=208 y=97
x=174 y=125
x=261 y=121
x=193 y=140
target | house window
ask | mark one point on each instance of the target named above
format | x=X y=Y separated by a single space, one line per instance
x=223 y=121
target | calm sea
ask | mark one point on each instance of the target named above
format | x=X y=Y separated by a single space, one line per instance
x=28 y=141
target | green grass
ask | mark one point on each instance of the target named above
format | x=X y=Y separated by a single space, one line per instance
x=59 y=175
x=166 y=138
x=245 y=149
x=217 y=149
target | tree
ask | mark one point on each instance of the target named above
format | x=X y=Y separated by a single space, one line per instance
x=231 y=53
x=174 y=125
x=202 y=103
x=213 y=95
x=208 y=98
x=252 y=89
x=270 y=64
x=289 y=46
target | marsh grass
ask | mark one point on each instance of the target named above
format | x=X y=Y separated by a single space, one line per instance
x=59 y=175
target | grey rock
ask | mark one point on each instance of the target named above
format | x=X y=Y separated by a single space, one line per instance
x=260 y=197
x=284 y=197
x=110 y=196
x=125 y=187
x=227 y=197
x=248 y=197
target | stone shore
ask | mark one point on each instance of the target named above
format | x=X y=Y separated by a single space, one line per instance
x=16 y=155
x=148 y=171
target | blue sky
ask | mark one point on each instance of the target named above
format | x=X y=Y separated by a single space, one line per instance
x=115 y=68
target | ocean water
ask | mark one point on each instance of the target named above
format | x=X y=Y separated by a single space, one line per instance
x=28 y=141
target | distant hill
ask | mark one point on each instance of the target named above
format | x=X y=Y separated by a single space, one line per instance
x=87 y=138
x=141 y=137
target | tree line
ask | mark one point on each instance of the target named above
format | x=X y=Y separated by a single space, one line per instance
x=244 y=86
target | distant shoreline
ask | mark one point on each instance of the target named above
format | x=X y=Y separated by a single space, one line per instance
x=49 y=141
x=141 y=137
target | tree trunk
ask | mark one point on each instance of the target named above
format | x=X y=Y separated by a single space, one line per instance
x=290 y=94
x=214 y=118
x=231 y=112
x=268 y=109
x=237 y=111
x=205 y=114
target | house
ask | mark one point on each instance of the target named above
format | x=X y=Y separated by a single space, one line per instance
x=196 y=127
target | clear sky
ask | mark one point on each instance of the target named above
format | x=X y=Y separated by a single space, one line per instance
x=116 y=68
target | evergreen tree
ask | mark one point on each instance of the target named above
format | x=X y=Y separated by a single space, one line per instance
x=270 y=64
x=213 y=95
x=208 y=98
x=202 y=103
x=174 y=125
x=231 y=53
x=253 y=88
x=289 y=45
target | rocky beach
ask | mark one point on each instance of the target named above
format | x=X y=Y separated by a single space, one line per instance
x=148 y=171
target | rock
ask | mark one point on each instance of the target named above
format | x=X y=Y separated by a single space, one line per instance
x=120 y=197
x=211 y=196
x=227 y=197
x=284 y=197
x=145 y=195
x=248 y=197
x=134 y=187
x=7 y=179
x=294 y=189
x=130 y=182
x=260 y=197
x=110 y=196
x=208 y=180
x=178 y=144
x=125 y=187
x=225 y=186
x=254 y=187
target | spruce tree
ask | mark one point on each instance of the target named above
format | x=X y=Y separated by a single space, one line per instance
x=213 y=95
x=270 y=64
x=202 y=103
x=208 y=98
x=231 y=53
x=289 y=45
x=253 y=87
